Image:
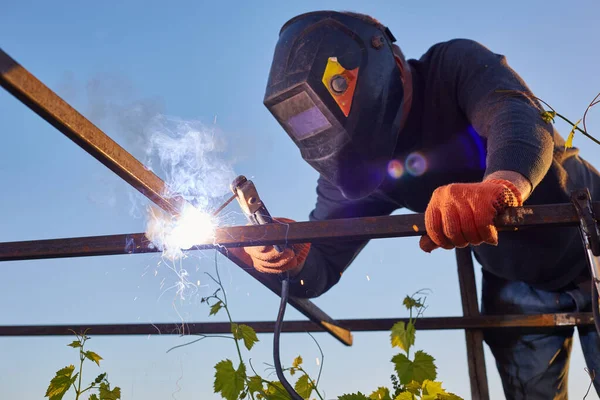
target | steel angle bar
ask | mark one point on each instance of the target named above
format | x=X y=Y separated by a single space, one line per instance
x=539 y=322
x=297 y=232
x=48 y=105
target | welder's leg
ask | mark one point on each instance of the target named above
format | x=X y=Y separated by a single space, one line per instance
x=590 y=342
x=531 y=365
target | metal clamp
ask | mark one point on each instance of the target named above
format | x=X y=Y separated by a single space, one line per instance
x=251 y=204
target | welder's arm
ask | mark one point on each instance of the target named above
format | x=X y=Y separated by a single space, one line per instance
x=325 y=263
x=520 y=147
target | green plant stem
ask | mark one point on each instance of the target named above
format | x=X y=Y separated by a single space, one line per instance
x=578 y=128
x=81 y=358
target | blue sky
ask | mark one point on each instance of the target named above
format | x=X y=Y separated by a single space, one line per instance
x=198 y=60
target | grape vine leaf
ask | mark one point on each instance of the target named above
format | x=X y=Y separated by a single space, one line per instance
x=403 y=335
x=432 y=390
x=304 y=386
x=99 y=378
x=246 y=333
x=93 y=397
x=107 y=394
x=60 y=384
x=255 y=384
x=382 y=393
x=353 y=396
x=228 y=381
x=409 y=303
x=214 y=309
x=413 y=387
x=297 y=362
x=405 y=396
x=90 y=355
x=420 y=369
x=74 y=344
x=276 y=391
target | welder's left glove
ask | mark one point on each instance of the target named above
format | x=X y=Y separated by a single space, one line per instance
x=460 y=214
x=268 y=260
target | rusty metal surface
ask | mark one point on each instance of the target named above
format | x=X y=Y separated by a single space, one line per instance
x=541 y=322
x=297 y=232
x=48 y=105
x=473 y=337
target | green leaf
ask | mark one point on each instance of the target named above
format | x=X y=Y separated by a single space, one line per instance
x=449 y=396
x=413 y=387
x=255 y=384
x=431 y=390
x=246 y=333
x=353 y=396
x=569 y=141
x=548 y=116
x=403 y=335
x=93 y=397
x=60 y=384
x=382 y=393
x=228 y=381
x=420 y=369
x=107 y=394
x=405 y=396
x=297 y=362
x=214 y=309
x=410 y=302
x=90 y=355
x=276 y=391
x=100 y=378
x=304 y=386
x=74 y=344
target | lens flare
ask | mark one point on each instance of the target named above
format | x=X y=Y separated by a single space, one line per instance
x=395 y=169
x=416 y=164
x=173 y=235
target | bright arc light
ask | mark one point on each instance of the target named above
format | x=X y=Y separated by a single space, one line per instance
x=395 y=169
x=172 y=235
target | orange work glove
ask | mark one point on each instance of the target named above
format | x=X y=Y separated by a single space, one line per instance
x=267 y=259
x=460 y=214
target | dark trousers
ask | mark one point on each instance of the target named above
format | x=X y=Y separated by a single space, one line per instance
x=535 y=365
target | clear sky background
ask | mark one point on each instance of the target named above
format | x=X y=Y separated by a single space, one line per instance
x=120 y=63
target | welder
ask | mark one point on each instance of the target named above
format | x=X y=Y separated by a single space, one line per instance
x=455 y=134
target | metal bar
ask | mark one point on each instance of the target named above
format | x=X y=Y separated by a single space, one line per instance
x=541 y=322
x=298 y=232
x=473 y=337
x=48 y=105
x=58 y=113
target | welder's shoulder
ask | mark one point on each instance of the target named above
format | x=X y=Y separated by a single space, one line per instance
x=462 y=52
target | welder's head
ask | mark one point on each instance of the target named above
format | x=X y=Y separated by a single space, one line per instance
x=335 y=86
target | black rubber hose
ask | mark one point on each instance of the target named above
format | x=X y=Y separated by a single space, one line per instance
x=285 y=291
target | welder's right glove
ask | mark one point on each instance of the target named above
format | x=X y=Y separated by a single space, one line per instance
x=268 y=260
x=460 y=214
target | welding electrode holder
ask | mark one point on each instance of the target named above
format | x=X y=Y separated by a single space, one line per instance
x=251 y=204
x=590 y=236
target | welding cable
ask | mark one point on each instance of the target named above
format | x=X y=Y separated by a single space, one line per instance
x=285 y=292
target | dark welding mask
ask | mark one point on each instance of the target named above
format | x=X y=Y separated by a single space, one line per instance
x=335 y=87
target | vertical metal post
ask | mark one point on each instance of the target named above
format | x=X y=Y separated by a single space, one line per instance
x=474 y=337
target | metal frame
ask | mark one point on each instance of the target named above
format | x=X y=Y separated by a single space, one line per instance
x=43 y=101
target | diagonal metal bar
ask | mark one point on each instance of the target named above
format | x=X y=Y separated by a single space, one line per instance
x=48 y=105
x=297 y=232
x=536 y=322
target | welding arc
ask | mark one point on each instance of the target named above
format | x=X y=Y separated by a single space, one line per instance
x=285 y=292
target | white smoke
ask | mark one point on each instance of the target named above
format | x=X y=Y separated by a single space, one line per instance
x=190 y=157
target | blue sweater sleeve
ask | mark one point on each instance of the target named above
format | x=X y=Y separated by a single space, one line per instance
x=501 y=108
x=327 y=261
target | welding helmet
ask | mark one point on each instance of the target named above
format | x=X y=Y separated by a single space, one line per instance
x=335 y=88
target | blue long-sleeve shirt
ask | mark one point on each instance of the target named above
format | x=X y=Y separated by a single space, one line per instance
x=465 y=128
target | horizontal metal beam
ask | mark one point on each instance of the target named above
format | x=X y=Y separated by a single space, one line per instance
x=48 y=105
x=540 y=321
x=297 y=232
